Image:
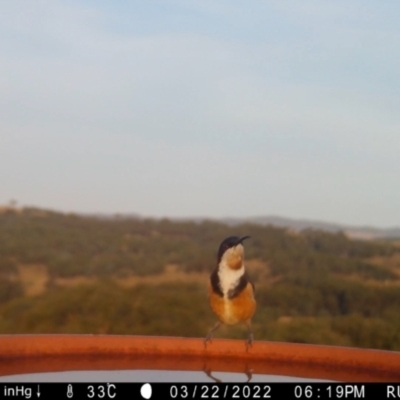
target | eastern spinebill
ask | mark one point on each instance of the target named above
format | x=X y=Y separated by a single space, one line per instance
x=231 y=293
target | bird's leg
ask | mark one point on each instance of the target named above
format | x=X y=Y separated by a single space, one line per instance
x=210 y=334
x=249 y=341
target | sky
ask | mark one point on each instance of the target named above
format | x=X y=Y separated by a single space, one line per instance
x=202 y=108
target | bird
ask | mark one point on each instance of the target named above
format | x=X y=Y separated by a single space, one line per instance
x=230 y=292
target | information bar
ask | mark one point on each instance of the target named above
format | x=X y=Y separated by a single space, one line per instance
x=117 y=391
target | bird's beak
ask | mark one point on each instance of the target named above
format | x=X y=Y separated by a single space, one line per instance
x=240 y=240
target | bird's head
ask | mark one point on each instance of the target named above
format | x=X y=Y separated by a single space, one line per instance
x=231 y=252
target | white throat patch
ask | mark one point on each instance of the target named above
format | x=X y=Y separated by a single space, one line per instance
x=228 y=277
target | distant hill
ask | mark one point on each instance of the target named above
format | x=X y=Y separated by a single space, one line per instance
x=354 y=232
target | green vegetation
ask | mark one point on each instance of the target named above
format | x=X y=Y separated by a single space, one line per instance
x=312 y=287
x=105 y=308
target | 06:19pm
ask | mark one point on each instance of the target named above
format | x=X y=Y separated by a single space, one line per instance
x=338 y=391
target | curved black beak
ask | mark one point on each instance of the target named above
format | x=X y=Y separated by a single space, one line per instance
x=240 y=240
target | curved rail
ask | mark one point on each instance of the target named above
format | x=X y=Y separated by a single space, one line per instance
x=21 y=354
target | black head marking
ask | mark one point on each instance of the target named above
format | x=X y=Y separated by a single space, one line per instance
x=229 y=242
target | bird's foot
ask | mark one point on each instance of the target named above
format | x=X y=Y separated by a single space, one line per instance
x=249 y=341
x=210 y=334
x=207 y=339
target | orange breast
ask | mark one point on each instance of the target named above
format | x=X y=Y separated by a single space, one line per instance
x=232 y=311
